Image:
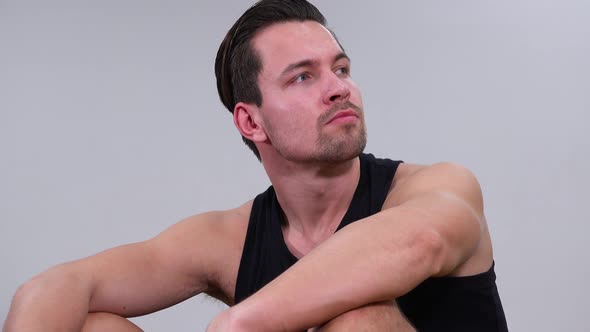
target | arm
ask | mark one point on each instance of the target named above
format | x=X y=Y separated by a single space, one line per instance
x=129 y=280
x=430 y=225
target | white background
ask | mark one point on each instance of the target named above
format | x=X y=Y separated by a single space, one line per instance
x=111 y=130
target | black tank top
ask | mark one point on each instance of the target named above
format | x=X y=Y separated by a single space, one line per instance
x=438 y=304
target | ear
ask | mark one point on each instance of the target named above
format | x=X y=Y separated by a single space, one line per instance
x=247 y=120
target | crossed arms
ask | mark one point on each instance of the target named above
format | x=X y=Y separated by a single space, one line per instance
x=428 y=228
x=431 y=225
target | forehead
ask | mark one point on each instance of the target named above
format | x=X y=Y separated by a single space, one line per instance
x=284 y=43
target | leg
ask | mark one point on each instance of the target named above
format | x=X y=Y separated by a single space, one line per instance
x=102 y=321
x=377 y=317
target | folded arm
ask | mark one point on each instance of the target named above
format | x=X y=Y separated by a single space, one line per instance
x=431 y=223
x=129 y=280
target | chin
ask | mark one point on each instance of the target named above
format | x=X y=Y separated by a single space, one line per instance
x=343 y=148
x=328 y=148
x=341 y=151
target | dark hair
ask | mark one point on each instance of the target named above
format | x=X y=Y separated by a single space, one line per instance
x=237 y=64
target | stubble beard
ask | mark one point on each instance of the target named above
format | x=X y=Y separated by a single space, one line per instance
x=330 y=148
x=343 y=147
x=348 y=143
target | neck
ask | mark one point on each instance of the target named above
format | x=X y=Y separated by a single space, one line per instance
x=314 y=197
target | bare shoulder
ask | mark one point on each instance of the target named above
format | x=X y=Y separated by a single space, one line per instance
x=215 y=224
x=210 y=235
x=211 y=245
x=443 y=177
x=450 y=192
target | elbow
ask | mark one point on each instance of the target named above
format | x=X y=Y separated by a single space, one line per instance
x=48 y=284
x=42 y=281
x=430 y=249
x=17 y=312
x=58 y=296
x=26 y=291
x=439 y=256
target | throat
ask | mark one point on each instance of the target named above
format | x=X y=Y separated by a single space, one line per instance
x=301 y=243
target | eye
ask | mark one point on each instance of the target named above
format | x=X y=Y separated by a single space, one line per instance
x=301 y=78
x=344 y=71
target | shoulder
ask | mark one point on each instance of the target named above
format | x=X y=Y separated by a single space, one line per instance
x=213 y=220
x=441 y=178
x=200 y=242
x=441 y=170
x=212 y=226
x=449 y=198
x=206 y=247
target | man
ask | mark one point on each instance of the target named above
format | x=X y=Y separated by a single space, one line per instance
x=341 y=241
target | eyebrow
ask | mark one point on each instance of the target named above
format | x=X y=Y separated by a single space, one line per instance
x=311 y=63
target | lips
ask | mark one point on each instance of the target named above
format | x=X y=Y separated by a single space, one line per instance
x=342 y=115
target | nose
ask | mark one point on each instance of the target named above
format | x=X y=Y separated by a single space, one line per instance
x=336 y=90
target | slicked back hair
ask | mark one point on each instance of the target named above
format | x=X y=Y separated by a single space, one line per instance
x=237 y=64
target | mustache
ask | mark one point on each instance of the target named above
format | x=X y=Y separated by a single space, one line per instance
x=337 y=108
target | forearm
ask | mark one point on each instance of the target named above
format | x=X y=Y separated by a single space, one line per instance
x=53 y=301
x=369 y=261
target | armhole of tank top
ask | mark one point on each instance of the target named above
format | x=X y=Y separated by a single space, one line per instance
x=391 y=166
x=241 y=284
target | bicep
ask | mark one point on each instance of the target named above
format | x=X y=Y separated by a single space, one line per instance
x=144 y=277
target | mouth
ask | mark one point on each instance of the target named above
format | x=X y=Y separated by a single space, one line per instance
x=344 y=116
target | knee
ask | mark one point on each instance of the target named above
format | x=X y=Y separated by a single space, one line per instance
x=102 y=321
x=378 y=317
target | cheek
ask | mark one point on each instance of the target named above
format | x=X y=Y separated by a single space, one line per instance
x=296 y=127
x=291 y=115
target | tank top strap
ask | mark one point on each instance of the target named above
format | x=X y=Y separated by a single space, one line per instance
x=374 y=185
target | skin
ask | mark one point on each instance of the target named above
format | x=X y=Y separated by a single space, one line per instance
x=383 y=316
x=432 y=223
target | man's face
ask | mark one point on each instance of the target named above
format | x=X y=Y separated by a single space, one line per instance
x=311 y=109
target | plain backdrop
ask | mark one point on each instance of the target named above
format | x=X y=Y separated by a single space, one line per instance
x=111 y=130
